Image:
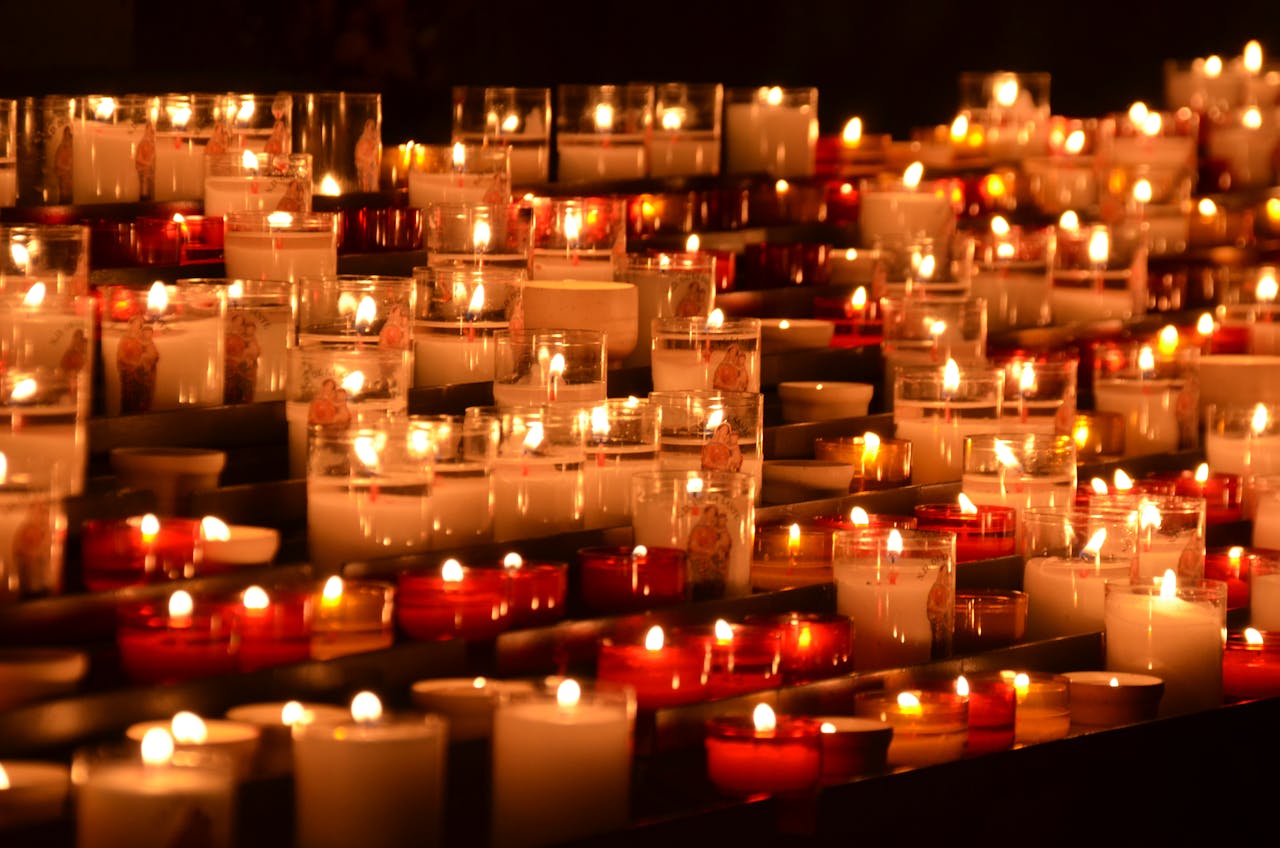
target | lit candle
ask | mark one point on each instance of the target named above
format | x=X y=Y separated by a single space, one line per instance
x=31 y=793
x=662 y=673
x=1107 y=699
x=467 y=704
x=275 y=722
x=469 y=603
x=768 y=753
x=623 y=580
x=928 y=727
x=237 y=740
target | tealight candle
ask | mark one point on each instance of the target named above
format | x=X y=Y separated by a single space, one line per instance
x=458 y=173
x=180 y=639
x=580 y=238
x=469 y=603
x=538 y=470
x=1156 y=394
x=602 y=131
x=988 y=619
x=1108 y=699
x=1251 y=665
x=274 y=628
x=790 y=555
x=625 y=580
x=237 y=740
x=1170 y=533
x=878 y=462
x=374 y=780
x=852 y=747
x=766 y=753
x=928 y=727
x=814 y=645
x=351 y=617
x=467 y=704
x=275 y=723
x=1234 y=567
x=708 y=354
x=1264 y=593
x=892 y=207
x=226 y=547
x=459 y=309
x=1020 y=470
x=32 y=793
x=711 y=431
x=1099 y=436
x=981 y=531
x=280 y=245
x=1044 y=712
x=662 y=672
x=537 y=590
x=936 y=408
x=992 y=705
x=739 y=657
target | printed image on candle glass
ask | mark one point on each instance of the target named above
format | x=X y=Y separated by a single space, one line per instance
x=342 y=131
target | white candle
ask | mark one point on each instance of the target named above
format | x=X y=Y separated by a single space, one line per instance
x=1065 y=595
x=890 y=605
x=710 y=354
x=31 y=793
x=366 y=520
x=280 y=255
x=607 y=477
x=449 y=352
x=675 y=154
x=1264 y=600
x=297 y=414
x=1244 y=454
x=104 y=165
x=275 y=723
x=426 y=188
x=532 y=391
x=463 y=505
x=537 y=496
x=590 y=157
x=54 y=437
x=1085 y=303
x=1018 y=490
x=468 y=704
x=179 y=167
x=561 y=767
x=590 y=265
x=687 y=455
x=768 y=135
x=937 y=443
x=258 y=337
x=530 y=164
x=1266 y=522
x=1151 y=409
x=235 y=739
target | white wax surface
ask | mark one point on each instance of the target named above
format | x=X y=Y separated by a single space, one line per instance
x=686 y=455
x=779 y=140
x=1065 y=596
x=243 y=194
x=584 y=158
x=462 y=505
x=444 y=354
x=1179 y=641
x=937 y=445
x=179 y=167
x=161 y=806
x=103 y=164
x=1019 y=491
x=537 y=497
x=1245 y=455
x=343 y=526
x=189 y=368
x=607 y=482
x=1266 y=523
x=1264 y=601
x=670 y=521
x=296 y=412
x=1150 y=410
x=684 y=154
x=694 y=369
x=427 y=188
x=1072 y=305
x=889 y=608
x=284 y=255
x=529 y=164
x=588 y=265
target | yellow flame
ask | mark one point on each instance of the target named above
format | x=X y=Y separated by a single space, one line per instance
x=600 y=421
x=180 y=604
x=157 y=298
x=1142 y=191
x=1169 y=585
x=255 y=598
x=1167 y=341
x=1206 y=207
x=1069 y=221
x=1146 y=360
x=639 y=552
x=280 y=219
x=568 y=693
x=292 y=713
x=366 y=450
x=694 y=486
x=329 y=186
x=723 y=631
x=35 y=295
x=157 y=747
x=1266 y=288
x=913 y=174
x=1213 y=67
x=852 y=132
x=1099 y=246
x=1021 y=684
x=654 y=639
x=827 y=727
x=692 y=243
x=1098 y=485
x=870 y=446
x=859 y=299
x=150 y=526
x=999 y=226
x=1123 y=482
x=894 y=543
x=858 y=517
x=960 y=128
x=1094 y=546
x=353 y=383
x=909 y=704
x=1138 y=113
x=366 y=708
x=1080 y=435
x=104 y=109
x=214 y=529
x=249 y=160
x=604 y=117
x=782 y=186
x=1260 y=419
x=1204 y=325
x=1005 y=455
x=1252 y=57
x=23 y=390
x=967 y=506
x=331 y=594
x=557 y=365
x=459 y=155
x=715 y=320
x=1252 y=636
x=512 y=560
x=4 y=779
x=188 y=729
x=1252 y=118
x=793 y=536
x=764 y=719
x=1006 y=90
x=481 y=234
x=773 y=96
x=451 y=571
x=235 y=290
x=572 y=226
x=1075 y=142
x=1149 y=516
x=950 y=376
x=1027 y=379
x=962 y=686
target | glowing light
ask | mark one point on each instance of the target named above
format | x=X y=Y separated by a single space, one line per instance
x=1022 y=684
x=1167 y=341
x=1069 y=222
x=852 y=132
x=1266 y=289
x=913 y=174
x=715 y=320
x=1252 y=636
x=1206 y=207
x=23 y=390
x=157 y=299
x=1080 y=435
x=1074 y=143
x=1149 y=517
x=4 y=779
x=1258 y=424
x=235 y=289
x=150 y=527
x=1027 y=379
x=157 y=747
x=1169 y=585
x=1122 y=481
x=459 y=156
x=1213 y=67
x=35 y=295
x=1152 y=126
x=870 y=446
x=293 y=713
x=214 y=529
x=773 y=96
x=188 y=729
x=366 y=450
x=1202 y=473
x=1006 y=90
x=1099 y=246
x=782 y=186
x=353 y=383
x=858 y=517
x=951 y=376
x=894 y=543
x=999 y=226
x=967 y=506
x=723 y=631
x=604 y=117
x=1252 y=118
x=764 y=719
x=180 y=604
x=568 y=693
x=1099 y=486
x=366 y=708
x=481 y=234
x=512 y=561
x=962 y=686
x=1252 y=57
x=329 y=186
x=960 y=128
x=451 y=571
x=1204 y=325
x=1094 y=546
x=654 y=639
x=255 y=598
x=104 y=109
x=639 y=552
x=331 y=594
x=859 y=299
x=1146 y=360
x=1142 y=191
x=476 y=305
x=909 y=704
x=692 y=243
x=694 y=486
x=249 y=160
x=1138 y=113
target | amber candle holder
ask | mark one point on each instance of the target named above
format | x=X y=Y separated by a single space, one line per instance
x=878 y=463
x=1099 y=436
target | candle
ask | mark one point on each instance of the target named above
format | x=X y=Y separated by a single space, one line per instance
x=624 y=580
x=988 y=619
x=351 y=617
x=467 y=603
x=992 y=705
x=669 y=284
x=458 y=173
x=814 y=645
x=261 y=325
x=582 y=238
x=1243 y=439
x=1158 y=399
x=708 y=354
x=858 y=519
x=375 y=780
x=878 y=462
x=662 y=672
x=537 y=590
x=548 y=366
x=31 y=793
x=244 y=181
x=981 y=531
x=767 y=753
x=1107 y=699
x=1264 y=592
x=280 y=245
x=1044 y=712
x=790 y=555
x=561 y=765
x=467 y=704
x=237 y=740
x=935 y=409
x=227 y=547
x=771 y=129
x=273 y=628
x=275 y=722
x=739 y=657
x=124 y=799
x=1221 y=493
x=1099 y=436
x=1020 y=471
x=35 y=674
x=899 y=588
x=141 y=549
x=462 y=482
x=1170 y=533
x=1251 y=665
x=908 y=205
x=1173 y=631
x=176 y=640
x=853 y=747
x=538 y=470
x=928 y=727
x=623 y=442
x=686 y=137
x=1234 y=567
x=112 y=151
x=459 y=309
x=715 y=431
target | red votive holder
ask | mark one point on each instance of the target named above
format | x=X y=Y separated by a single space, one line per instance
x=1155 y=486
x=142 y=549
x=538 y=591
x=741 y=657
x=663 y=673
x=1232 y=566
x=747 y=756
x=790 y=555
x=989 y=533
x=852 y=747
x=625 y=580
x=987 y=619
x=1251 y=665
x=992 y=707
x=456 y=602
x=274 y=626
x=181 y=638
x=1221 y=493
x=874 y=521
x=814 y=645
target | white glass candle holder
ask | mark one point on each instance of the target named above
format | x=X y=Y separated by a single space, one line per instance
x=54 y=254
x=1158 y=395
x=99 y=149
x=1175 y=632
x=927 y=331
x=459 y=310
x=602 y=131
x=342 y=131
x=623 y=440
x=163 y=347
x=261 y=122
x=280 y=245
x=583 y=238
x=1145 y=144
x=1071 y=554
x=33 y=527
x=186 y=124
x=686 y=130
x=368 y=494
x=706 y=354
x=1098 y=275
x=548 y=366
x=1062 y=181
x=245 y=181
x=459 y=173
x=1010 y=272
x=463 y=451
x=771 y=130
x=893 y=211
x=485 y=236
x=1021 y=470
x=712 y=431
x=517 y=118
x=1243 y=439
x=1244 y=140
x=1009 y=99
x=936 y=408
x=708 y=514
x=374 y=310
x=1171 y=533
x=334 y=386
x=260 y=330
x=1039 y=396
x=899 y=587
x=669 y=285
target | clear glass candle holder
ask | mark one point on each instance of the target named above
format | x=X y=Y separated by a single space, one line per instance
x=1243 y=439
x=771 y=130
x=1060 y=182
x=186 y=125
x=899 y=587
x=280 y=245
x=1044 y=707
x=33 y=528
x=669 y=285
x=98 y=149
x=1039 y=395
x=245 y=181
x=602 y=131
x=1157 y=393
x=1010 y=271
x=54 y=254
x=686 y=130
x=342 y=131
x=579 y=238
x=372 y=310
x=464 y=452
x=878 y=463
x=706 y=354
x=459 y=173
x=1008 y=98
x=930 y=330
x=260 y=330
x=712 y=431
x=905 y=211
x=459 y=310
x=936 y=408
x=989 y=619
x=1156 y=146
x=1171 y=533
x=548 y=366
x=1098 y=274
x=1099 y=436
x=482 y=236
x=1020 y=470
x=928 y=727
x=709 y=515
x=784 y=557
x=517 y=118
x=623 y=441
x=1244 y=141
x=261 y=122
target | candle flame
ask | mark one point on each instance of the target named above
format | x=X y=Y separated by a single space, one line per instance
x=782 y=187
x=572 y=226
x=1022 y=684
x=157 y=747
x=214 y=529
x=1027 y=379
x=180 y=604
x=1123 y=482
x=4 y=779
x=249 y=160
x=654 y=639
x=23 y=390
x=962 y=686
x=157 y=299
x=533 y=438
x=773 y=96
x=104 y=109
x=353 y=383
x=858 y=517
x=870 y=446
x=1099 y=245
x=512 y=561
x=827 y=727
x=366 y=313
x=1169 y=585
x=476 y=306
x=859 y=299
x=1252 y=118
x=1206 y=207
x=1004 y=250
x=672 y=119
x=692 y=243
x=255 y=598
x=150 y=527
x=366 y=708
x=715 y=320
x=1074 y=143
x=1142 y=191
x=967 y=506
x=1138 y=113
x=1213 y=67
x=1260 y=419
x=764 y=719
x=1152 y=126
x=1006 y=90
x=852 y=133
x=556 y=368
x=1267 y=288
x=329 y=186
x=235 y=290
x=1114 y=683
x=1005 y=455
x=459 y=155
x=293 y=713
x=723 y=631
x=1204 y=325
x=909 y=704
x=1080 y=435
x=1252 y=636
x=331 y=594
x=604 y=117
x=1167 y=341
x=600 y=421
x=568 y=693
x=1149 y=516
x=35 y=294
x=280 y=219
x=1094 y=546
x=925 y=269
x=960 y=128
x=950 y=376
x=366 y=450
x=1234 y=553
x=1253 y=56
x=1098 y=485
x=481 y=234
x=1202 y=473
x=694 y=486
x=479 y=683
x=894 y=543
x=1070 y=221
x=1146 y=360
x=999 y=226
x=639 y=552
x=451 y=571
x=913 y=174
x=188 y=729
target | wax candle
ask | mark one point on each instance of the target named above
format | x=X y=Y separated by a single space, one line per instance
x=1243 y=440
x=1044 y=712
x=467 y=704
x=906 y=205
x=1099 y=436
x=1251 y=665
x=992 y=705
x=1175 y=632
x=814 y=645
x=537 y=590
x=458 y=173
x=280 y=245
x=226 y=547
x=853 y=747
x=369 y=309
x=31 y=793
x=712 y=431
x=112 y=155
x=274 y=628
x=662 y=672
x=878 y=463
x=1019 y=471
x=766 y=753
x=740 y=657
x=275 y=722
x=375 y=780
x=580 y=238
x=928 y=727
x=124 y=799
x=981 y=531
x=623 y=580
x=623 y=442
x=708 y=354
x=459 y=310
x=1264 y=592
x=859 y=519
x=790 y=555
x=176 y=640
x=771 y=129
x=256 y=182
x=1157 y=397
x=561 y=765
x=935 y=409
x=351 y=617
x=669 y=284
x=1170 y=533
x=538 y=476
x=141 y=549
x=237 y=740
x=1232 y=566
x=1108 y=699
x=470 y=603
x=987 y=619
x=462 y=485
x=686 y=137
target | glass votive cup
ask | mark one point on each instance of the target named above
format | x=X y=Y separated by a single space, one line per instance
x=1243 y=439
x=669 y=285
x=144 y=549
x=1157 y=395
x=467 y=703
x=351 y=617
x=1233 y=566
x=1171 y=533
x=1039 y=396
x=814 y=645
x=280 y=245
x=244 y=181
x=8 y=152
x=1009 y=98
x=175 y=639
x=709 y=515
x=771 y=130
x=258 y=121
x=516 y=118
x=163 y=348
x=1097 y=275
x=928 y=727
x=1020 y=470
x=927 y=331
x=853 y=747
x=1251 y=665
x=1010 y=272
x=537 y=590
x=459 y=174
x=790 y=555
x=462 y=488
x=342 y=131
x=711 y=431
x=936 y=408
x=1222 y=493
x=578 y=238
x=899 y=587
x=1053 y=184
x=100 y=149
x=1099 y=436
x=375 y=310
x=706 y=354
x=1109 y=699
x=335 y=385
x=1262 y=507
x=992 y=704
x=54 y=254
x=273 y=626
x=459 y=310
x=664 y=671
x=260 y=330
x=894 y=211
x=743 y=760
x=447 y=603
x=623 y=441
x=537 y=366
x=1174 y=632
x=860 y=519
x=33 y=529
x=1044 y=708
x=685 y=140
x=988 y=619
x=879 y=463
x=625 y=580
x=740 y=658
x=1264 y=592
x=186 y=125
x=602 y=130
x=988 y=532
x=369 y=493
x=479 y=236
x=1243 y=142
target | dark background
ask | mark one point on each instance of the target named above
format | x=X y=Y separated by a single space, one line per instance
x=895 y=62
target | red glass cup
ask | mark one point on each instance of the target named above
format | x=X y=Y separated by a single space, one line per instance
x=117 y=553
x=619 y=580
x=853 y=746
x=992 y=706
x=875 y=521
x=538 y=592
x=1221 y=493
x=814 y=645
x=989 y=533
x=1251 y=665
x=158 y=647
x=742 y=760
x=429 y=608
x=663 y=672
x=746 y=659
x=273 y=626
x=1232 y=566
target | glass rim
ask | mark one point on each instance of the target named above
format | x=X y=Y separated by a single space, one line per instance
x=1204 y=589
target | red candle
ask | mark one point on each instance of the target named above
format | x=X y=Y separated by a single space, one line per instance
x=988 y=532
x=274 y=627
x=853 y=746
x=1232 y=566
x=858 y=519
x=623 y=580
x=742 y=657
x=992 y=705
x=763 y=754
x=1221 y=493
x=1122 y=484
x=537 y=590
x=662 y=673
x=987 y=619
x=1229 y=338
x=142 y=549
x=469 y=603
x=174 y=640
x=1251 y=665
x=814 y=645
